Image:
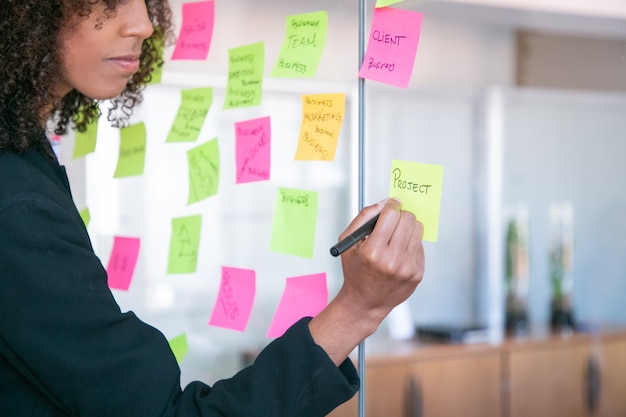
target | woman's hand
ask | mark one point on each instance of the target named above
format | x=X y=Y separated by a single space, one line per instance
x=380 y=272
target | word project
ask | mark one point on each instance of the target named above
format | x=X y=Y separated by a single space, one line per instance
x=392 y=46
x=303 y=46
x=419 y=187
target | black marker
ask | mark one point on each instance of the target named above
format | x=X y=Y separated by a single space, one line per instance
x=355 y=237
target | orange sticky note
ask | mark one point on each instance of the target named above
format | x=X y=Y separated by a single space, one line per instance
x=322 y=115
x=196 y=31
x=235 y=299
x=122 y=262
x=304 y=296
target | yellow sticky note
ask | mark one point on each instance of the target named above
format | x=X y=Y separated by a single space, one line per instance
x=179 y=347
x=419 y=185
x=322 y=115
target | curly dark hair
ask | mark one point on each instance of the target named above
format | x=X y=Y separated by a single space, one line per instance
x=30 y=66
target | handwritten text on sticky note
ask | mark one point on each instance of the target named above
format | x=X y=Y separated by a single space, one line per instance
x=196 y=31
x=303 y=45
x=419 y=187
x=303 y=296
x=121 y=265
x=392 y=46
x=245 y=76
x=194 y=107
x=184 y=242
x=253 y=150
x=204 y=171
x=132 y=155
x=321 y=124
x=293 y=224
x=235 y=299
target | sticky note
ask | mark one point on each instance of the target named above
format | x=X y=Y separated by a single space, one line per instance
x=392 y=46
x=384 y=3
x=322 y=115
x=245 y=76
x=235 y=298
x=293 y=223
x=194 y=107
x=85 y=142
x=85 y=215
x=204 y=171
x=196 y=31
x=302 y=48
x=122 y=261
x=156 y=73
x=419 y=185
x=132 y=153
x=179 y=347
x=253 y=150
x=303 y=296
x=184 y=242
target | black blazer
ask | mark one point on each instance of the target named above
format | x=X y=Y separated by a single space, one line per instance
x=66 y=349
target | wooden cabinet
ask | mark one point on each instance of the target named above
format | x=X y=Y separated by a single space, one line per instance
x=576 y=376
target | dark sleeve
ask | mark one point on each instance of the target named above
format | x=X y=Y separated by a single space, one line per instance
x=62 y=330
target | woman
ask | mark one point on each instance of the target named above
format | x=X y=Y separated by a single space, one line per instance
x=66 y=349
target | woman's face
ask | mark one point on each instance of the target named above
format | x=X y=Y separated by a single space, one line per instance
x=101 y=53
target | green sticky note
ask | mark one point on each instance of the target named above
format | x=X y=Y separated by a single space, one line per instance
x=85 y=142
x=384 y=3
x=179 y=347
x=194 y=107
x=293 y=223
x=303 y=45
x=184 y=245
x=132 y=154
x=204 y=171
x=245 y=76
x=85 y=215
x=157 y=70
x=419 y=187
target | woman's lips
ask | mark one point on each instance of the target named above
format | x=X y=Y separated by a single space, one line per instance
x=129 y=64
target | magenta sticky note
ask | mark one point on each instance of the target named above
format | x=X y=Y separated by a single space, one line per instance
x=304 y=296
x=253 y=146
x=234 y=300
x=196 y=31
x=392 y=46
x=122 y=262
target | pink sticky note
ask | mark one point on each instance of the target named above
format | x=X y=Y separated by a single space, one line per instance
x=392 y=46
x=122 y=262
x=303 y=296
x=235 y=299
x=196 y=31
x=253 y=139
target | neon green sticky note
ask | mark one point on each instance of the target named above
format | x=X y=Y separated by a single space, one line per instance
x=245 y=76
x=293 y=223
x=179 y=347
x=184 y=245
x=194 y=107
x=132 y=154
x=385 y=3
x=419 y=187
x=85 y=142
x=85 y=215
x=302 y=48
x=204 y=171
